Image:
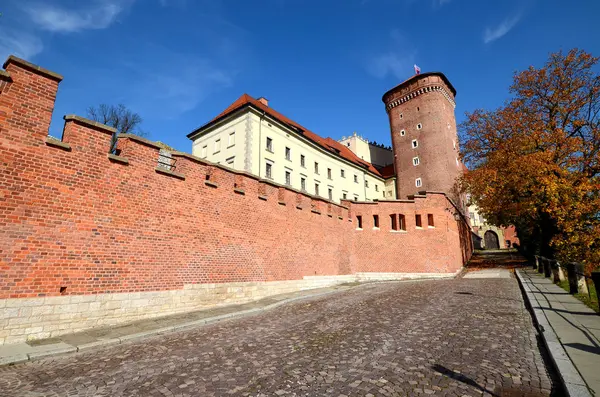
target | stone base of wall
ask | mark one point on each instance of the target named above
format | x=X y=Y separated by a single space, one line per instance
x=38 y=318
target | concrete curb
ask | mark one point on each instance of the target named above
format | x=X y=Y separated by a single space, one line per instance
x=573 y=383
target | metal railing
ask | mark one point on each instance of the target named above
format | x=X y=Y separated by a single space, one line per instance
x=579 y=282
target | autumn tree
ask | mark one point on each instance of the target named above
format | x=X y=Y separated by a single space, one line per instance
x=117 y=116
x=535 y=162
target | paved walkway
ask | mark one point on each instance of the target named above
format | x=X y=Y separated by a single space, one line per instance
x=111 y=335
x=463 y=337
x=576 y=326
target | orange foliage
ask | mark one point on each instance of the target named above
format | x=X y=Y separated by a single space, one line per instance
x=535 y=162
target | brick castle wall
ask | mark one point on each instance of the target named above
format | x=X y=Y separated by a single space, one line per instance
x=77 y=221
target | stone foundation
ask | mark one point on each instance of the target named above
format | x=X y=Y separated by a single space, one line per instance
x=25 y=319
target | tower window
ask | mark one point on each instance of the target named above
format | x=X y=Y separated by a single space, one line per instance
x=418 y=222
x=430 y=220
x=401 y=115
x=418 y=182
x=415 y=143
x=415 y=161
x=419 y=126
x=402 y=133
x=376 y=188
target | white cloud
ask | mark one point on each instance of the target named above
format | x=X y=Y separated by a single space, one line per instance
x=398 y=61
x=97 y=15
x=19 y=43
x=506 y=26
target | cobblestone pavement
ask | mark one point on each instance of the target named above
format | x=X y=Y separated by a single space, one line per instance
x=444 y=338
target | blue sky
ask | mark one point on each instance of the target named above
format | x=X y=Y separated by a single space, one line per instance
x=325 y=63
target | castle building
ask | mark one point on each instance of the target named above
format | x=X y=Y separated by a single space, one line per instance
x=251 y=136
x=424 y=139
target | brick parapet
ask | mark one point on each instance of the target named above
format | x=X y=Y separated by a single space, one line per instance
x=82 y=222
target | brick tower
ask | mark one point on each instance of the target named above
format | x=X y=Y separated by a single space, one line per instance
x=423 y=127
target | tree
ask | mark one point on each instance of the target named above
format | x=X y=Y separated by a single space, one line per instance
x=117 y=116
x=535 y=162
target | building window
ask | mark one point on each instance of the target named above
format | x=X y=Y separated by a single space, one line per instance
x=330 y=193
x=419 y=126
x=217 y=146
x=269 y=145
x=328 y=173
x=302 y=161
x=204 y=151
x=230 y=161
x=430 y=220
x=366 y=183
x=418 y=182
x=376 y=221
x=355 y=178
x=418 y=221
x=394 y=222
x=376 y=188
x=402 y=133
x=269 y=171
x=231 y=140
x=401 y=115
x=288 y=178
x=344 y=196
x=415 y=144
x=415 y=161
x=355 y=198
x=303 y=184
x=316 y=168
x=359 y=222
x=288 y=153
x=316 y=189
x=472 y=215
x=401 y=222
x=342 y=173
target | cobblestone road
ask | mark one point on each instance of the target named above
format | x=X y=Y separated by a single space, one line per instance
x=443 y=338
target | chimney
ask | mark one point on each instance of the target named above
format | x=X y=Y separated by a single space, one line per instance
x=263 y=100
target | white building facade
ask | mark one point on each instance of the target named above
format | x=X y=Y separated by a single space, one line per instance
x=252 y=137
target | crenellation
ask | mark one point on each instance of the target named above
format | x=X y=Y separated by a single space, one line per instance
x=123 y=240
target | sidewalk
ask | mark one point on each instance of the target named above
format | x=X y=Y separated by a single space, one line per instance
x=570 y=329
x=98 y=337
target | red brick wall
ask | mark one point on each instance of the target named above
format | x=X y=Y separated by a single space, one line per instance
x=72 y=217
x=437 y=167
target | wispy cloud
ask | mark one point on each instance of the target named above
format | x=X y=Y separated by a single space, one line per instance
x=94 y=15
x=492 y=34
x=397 y=61
x=19 y=43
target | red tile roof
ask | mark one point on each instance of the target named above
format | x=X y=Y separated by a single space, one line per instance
x=326 y=143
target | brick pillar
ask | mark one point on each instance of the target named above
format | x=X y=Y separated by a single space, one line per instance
x=27 y=101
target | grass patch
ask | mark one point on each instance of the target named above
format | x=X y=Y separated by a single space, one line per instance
x=585 y=298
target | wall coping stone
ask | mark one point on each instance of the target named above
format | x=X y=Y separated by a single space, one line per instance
x=165 y=171
x=4 y=75
x=211 y=184
x=51 y=141
x=239 y=191
x=32 y=67
x=139 y=139
x=118 y=159
x=90 y=123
